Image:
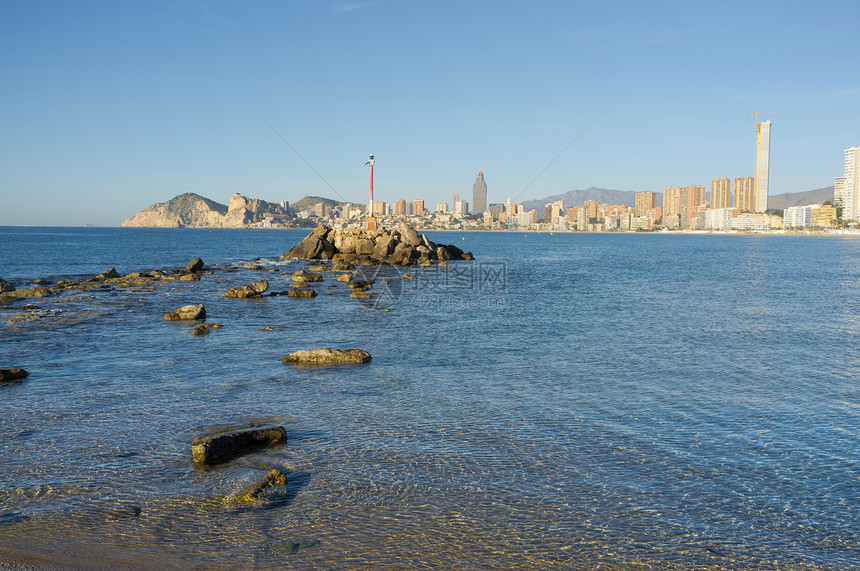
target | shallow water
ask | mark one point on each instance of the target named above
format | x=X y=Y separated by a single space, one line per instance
x=590 y=401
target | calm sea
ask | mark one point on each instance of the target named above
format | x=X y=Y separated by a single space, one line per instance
x=564 y=401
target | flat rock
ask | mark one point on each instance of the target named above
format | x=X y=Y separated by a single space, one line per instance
x=186 y=312
x=301 y=292
x=33 y=292
x=328 y=356
x=213 y=449
x=303 y=276
x=250 y=290
x=13 y=374
x=190 y=278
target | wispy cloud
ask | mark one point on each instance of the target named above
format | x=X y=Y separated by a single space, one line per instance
x=344 y=7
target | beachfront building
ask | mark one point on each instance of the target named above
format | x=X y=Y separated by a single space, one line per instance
x=721 y=193
x=762 y=165
x=718 y=218
x=479 y=193
x=798 y=216
x=822 y=216
x=744 y=192
x=851 y=188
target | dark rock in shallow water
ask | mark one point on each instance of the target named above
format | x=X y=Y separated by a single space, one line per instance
x=187 y=312
x=111 y=273
x=194 y=265
x=213 y=449
x=205 y=328
x=328 y=356
x=250 y=290
x=13 y=374
x=300 y=292
x=6 y=286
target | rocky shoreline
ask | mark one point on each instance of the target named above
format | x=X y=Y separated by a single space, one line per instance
x=334 y=259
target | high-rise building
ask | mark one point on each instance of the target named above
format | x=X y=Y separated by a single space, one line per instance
x=672 y=201
x=479 y=193
x=721 y=193
x=442 y=207
x=762 y=165
x=744 y=192
x=839 y=191
x=851 y=190
x=400 y=207
x=692 y=198
x=644 y=203
x=591 y=208
x=418 y=207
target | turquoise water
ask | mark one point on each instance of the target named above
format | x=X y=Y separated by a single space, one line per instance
x=565 y=401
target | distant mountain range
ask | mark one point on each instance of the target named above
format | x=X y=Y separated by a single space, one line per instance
x=577 y=197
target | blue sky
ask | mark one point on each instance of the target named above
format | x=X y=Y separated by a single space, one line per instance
x=109 y=107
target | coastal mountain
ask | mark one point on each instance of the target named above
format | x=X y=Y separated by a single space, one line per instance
x=187 y=210
x=783 y=201
x=191 y=210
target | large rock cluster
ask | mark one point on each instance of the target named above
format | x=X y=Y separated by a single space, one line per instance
x=402 y=246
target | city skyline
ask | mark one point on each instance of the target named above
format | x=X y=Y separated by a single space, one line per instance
x=108 y=107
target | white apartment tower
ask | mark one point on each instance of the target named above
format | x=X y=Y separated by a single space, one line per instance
x=762 y=165
x=851 y=188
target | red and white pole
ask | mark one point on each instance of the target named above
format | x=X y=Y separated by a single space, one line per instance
x=371 y=221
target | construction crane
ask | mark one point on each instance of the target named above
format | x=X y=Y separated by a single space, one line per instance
x=757 y=113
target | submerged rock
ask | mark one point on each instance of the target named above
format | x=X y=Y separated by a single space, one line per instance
x=250 y=290
x=213 y=449
x=186 y=312
x=274 y=478
x=290 y=547
x=328 y=356
x=13 y=374
x=205 y=328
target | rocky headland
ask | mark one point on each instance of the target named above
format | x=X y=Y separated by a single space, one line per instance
x=191 y=210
